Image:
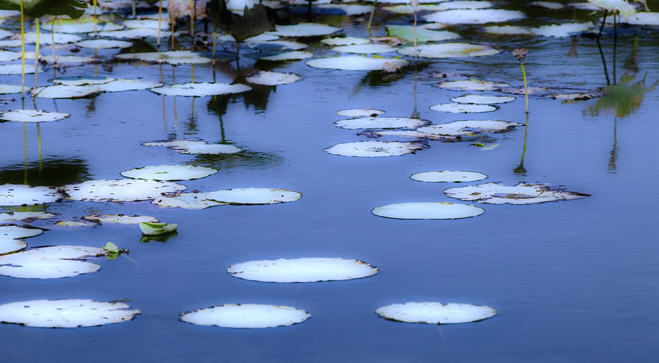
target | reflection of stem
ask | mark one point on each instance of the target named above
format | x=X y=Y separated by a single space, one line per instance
x=22 y=51
x=164 y=118
x=222 y=129
x=415 y=113
x=526 y=92
x=238 y=57
x=599 y=46
x=171 y=23
x=613 y=155
x=95 y=64
x=213 y=52
x=24 y=154
x=175 y=112
x=615 y=41
x=40 y=154
x=370 y=18
x=134 y=8
x=192 y=72
x=520 y=168
x=36 y=53
x=52 y=41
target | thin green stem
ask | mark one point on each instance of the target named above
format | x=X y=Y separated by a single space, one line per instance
x=159 y=20
x=370 y=18
x=526 y=92
x=36 y=53
x=22 y=51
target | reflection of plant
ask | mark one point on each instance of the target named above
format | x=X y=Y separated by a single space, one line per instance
x=624 y=98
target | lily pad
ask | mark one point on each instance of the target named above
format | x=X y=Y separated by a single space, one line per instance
x=62 y=91
x=121 y=85
x=135 y=33
x=273 y=78
x=19 y=194
x=16 y=232
x=10 y=88
x=435 y=313
x=83 y=24
x=360 y=112
x=355 y=63
x=76 y=223
x=46 y=38
x=50 y=262
x=408 y=9
x=472 y=85
x=6 y=56
x=449 y=50
x=478 y=16
x=10 y=245
x=482 y=99
x=642 y=18
x=459 y=4
x=380 y=123
x=82 y=81
x=9 y=69
x=427 y=210
x=24 y=216
x=508 y=30
x=176 y=57
x=169 y=172
x=448 y=176
x=246 y=316
x=156 y=229
x=120 y=219
x=122 y=190
x=236 y=196
x=196 y=147
x=458 y=128
x=462 y=108
x=32 y=116
x=364 y=48
x=547 y=5
x=374 y=149
x=423 y=35
x=72 y=313
x=302 y=270
x=104 y=44
x=305 y=30
x=522 y=193
x=201 y=89
x=286 y=56
x=344 y=41
x=561 y=30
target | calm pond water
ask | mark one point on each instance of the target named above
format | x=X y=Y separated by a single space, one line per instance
x=572 y=281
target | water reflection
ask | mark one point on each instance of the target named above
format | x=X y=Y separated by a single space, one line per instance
x=245 y=159
x=624 y=97
x=50 y=172
x=520 y=169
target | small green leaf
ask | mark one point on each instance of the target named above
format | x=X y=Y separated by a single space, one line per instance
x=111 y=248
x=478 y=144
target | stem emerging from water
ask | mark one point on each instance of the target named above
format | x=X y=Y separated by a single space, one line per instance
x=36 y=53
x=370 y=18
x=159 y=20
x=95 y=21
x=22 y=51
x=526 y=92
x=416 y=53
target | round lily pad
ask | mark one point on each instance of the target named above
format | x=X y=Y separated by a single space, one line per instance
x=83 y=81
x=169 y=172
x=19 y=194
x=427 y=210
x=50 y=262
x=561 y=30
x=305 y=30
x=508 y=30
x=435 y=313
x=381 y=123
x=522 y=193
x=364 y=48
x=374 y=149
x=448 y=176
x=200 y=89
x=6 y=56
x=63 y=91
x=482 y=99
x=360 y=112
x=423 y=35
x=17 y=69
x=16 y=232
x=120 y=85
x=196 y=147
x=119 y=219
x=344 y=41
x=134 y=33
x=175 y=57
x=75 y=223
x=122 y=190
x=460 y=4
x=10 y=88
x=462 y=108
x=458 y=128
x=302 y=270
x=24 y=216
x=32 y=116
x=476 y=16
x=236 y=196
x=547 y=5
x=273 y=78
x=72 y=313
x=355 y=63
x=472 y=85
x=246 y=316
x=449 y=50
x=9 y=245
x=286 y=56
x=408 y=9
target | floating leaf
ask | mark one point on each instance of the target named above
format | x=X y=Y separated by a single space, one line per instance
x=360 y=112
x=472 y=85
x=169 y=172
x=23 y=216
x=104 y=44
x=448 y=176
x=522 y=193
x=344 y=41
x=18 y=194
x=122 y=190
x=427 y=210
x=273 y=78
x=302 y=270
x=364 y=48
x=355 y=63
x=482 y=100
x=449 y=50
x=286 y=56
x=373 y=149
x=119 y=219
x=435 y=313
x=196 y=147
x=177 y=57
x=423 y=35
x=305 y=30
x=462 y=108
x=200 y=89
x=50 y=262
x=32 y=116
x=459 y=128
x=246 y=316
x=479 y=16
x=154 y=229
x=236 y=196
x=381 y=123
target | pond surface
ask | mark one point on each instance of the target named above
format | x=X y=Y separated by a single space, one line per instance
x=571 y=281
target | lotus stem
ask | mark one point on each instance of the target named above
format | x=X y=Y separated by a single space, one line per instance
x=134 y=8
x=526 y=92
x=370 y=18
x=599 y=46
x=36 y=53
x=52 y=39
x=95 y=20
x=192 y=11
x=213 y=51
x=615 y=41
x=24 y=151
x=22 y=51
x=416 y=53
x=159 y=20
x=171 y=22
x=192 y=72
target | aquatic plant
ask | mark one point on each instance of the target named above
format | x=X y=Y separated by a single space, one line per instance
x=520 y=54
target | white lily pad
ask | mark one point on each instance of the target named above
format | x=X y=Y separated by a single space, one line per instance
x=561 y=30
x=374 y=149
x=104 y=44
x=75 y=223
x=18 y=194
x=32 y=116
x=282 y=45
x=583 y=6
x=423 y=35
x=273 y=78
x=472 y=85
x=246 y=316
x=346 y=9
x=62 y=91
x=508 y=30
x=61 y=59
x=462 y=108
x=201 y=89
x=622 y=7
x=82 y=81
x=121 y=85
x=448 y=176
x=177 y=57
x=408 y=9
x=360 y=112
x=16 y=232
x=302 y=270
x=355 y=63
x=404 y=1
x=458 y=128
x=146 y=23
x=286 y=56
x=236 y=196
x=522 y=193
x=169 y=172
x=72 y=313
x=482 y=99
x=84 y=24
x=460 y=4
x=413 y=134
x=642 y=18
x=449 y=50
x=46 y=38
x=435 y=313
x=50 y=262
x=9 y=69
x=427 y=210
x=6 y=89
x=380 y=123
x=120 y=219
x=24 y=216
x=305 y=30
x=10 y=245
x=196 y=147
x=547 y=5
x=135 y=33
x=344 y=41
x=477 y=16
x=122 y=190
x=6 y=56
x=263 y=37
x=364 y=48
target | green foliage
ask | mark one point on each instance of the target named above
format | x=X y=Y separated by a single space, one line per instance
x=623 y=98
x=39 y=8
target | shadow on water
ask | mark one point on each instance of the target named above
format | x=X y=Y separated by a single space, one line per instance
x=50 y=172
x=520 y=169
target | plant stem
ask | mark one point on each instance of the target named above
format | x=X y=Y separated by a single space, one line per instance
x=95 y=21
x=36 y=53
x=213 y=52
x=370 y=18
x=615 y=41
x=159 y=20
x=52 y=39
x=526 y=92
x=22 y=51
x=192 y=11
x=416 y=53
